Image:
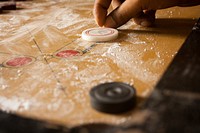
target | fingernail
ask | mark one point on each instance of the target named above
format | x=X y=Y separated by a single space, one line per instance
x=145 y=23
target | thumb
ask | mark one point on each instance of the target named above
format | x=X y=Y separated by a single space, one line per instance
x=127 y=10
x=146 y=19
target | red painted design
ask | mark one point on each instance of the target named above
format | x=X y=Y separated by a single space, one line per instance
x=19 y=61
x=68 y=53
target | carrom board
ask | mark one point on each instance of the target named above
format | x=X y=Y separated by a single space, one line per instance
x=47 y=70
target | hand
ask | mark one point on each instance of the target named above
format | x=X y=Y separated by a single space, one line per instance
x=143 y=11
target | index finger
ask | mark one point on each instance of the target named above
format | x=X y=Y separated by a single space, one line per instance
x=100 y=11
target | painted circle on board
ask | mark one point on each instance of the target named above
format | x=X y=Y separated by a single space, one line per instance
x=68 y=53
x=18 y=61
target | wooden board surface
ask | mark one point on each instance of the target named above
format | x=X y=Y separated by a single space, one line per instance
x=57 y=89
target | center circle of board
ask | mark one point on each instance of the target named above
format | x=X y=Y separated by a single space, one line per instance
x=100 y=34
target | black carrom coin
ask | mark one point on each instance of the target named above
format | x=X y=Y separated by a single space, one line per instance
x=114 y=97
